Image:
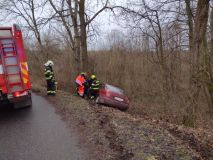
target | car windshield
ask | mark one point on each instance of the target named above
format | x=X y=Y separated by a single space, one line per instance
x=114 y=89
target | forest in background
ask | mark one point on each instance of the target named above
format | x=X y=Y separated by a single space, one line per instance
x=162 y=59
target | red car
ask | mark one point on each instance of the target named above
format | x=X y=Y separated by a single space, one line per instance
x=112 y=96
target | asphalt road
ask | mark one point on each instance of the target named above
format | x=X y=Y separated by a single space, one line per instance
x=37 y=133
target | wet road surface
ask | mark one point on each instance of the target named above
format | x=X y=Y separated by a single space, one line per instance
x=36 y=133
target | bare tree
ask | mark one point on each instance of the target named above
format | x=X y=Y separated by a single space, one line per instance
x=83 y=30
x=62 y=13
x=165 y=22
x=190 y=23
x=156 y=21
x=199 y=52
x=26 y=11
x=74 y=18
x=209 y=68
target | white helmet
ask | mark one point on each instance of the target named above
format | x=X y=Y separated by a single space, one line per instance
x=49 y=63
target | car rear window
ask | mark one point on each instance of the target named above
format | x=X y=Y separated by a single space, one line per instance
x=114 y=89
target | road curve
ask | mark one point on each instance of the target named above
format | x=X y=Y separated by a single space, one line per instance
x=36 y=134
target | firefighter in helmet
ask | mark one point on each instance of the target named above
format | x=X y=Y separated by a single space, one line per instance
x=50 y=78
x=80 y=83
x=94 y=87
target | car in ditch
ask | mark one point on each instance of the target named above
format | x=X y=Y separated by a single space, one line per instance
x=112 y=96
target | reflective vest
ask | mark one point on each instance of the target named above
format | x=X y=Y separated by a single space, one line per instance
x=80 y=80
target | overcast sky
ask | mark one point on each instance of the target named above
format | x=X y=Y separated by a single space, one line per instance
x=104 y=23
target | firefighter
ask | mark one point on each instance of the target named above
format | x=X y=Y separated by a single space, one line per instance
x=80 y=83
x=50 y=78
x=91 y=79
x=88 y=85
x=94 y=87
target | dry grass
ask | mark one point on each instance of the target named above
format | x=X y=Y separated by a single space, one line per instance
x=140 y=78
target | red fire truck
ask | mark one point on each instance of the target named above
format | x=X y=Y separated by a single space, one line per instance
x=15 y=85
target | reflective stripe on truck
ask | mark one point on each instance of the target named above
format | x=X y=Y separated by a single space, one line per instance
x=24 y=71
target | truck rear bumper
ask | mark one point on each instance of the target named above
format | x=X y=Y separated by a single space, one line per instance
x=22 y=101
x=19 y=99
x=9 y=99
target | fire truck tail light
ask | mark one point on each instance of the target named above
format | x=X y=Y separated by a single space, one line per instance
x=18 y=94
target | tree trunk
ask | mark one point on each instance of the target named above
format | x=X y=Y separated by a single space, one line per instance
x=190 y=23
x=209 y=65
x=164 y=67
x=83 y=38
x=199 y=52
x=76 y=45
x=211 y=43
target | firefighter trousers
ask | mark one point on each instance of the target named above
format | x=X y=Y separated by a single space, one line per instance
x=93 y=93
x=51 y=88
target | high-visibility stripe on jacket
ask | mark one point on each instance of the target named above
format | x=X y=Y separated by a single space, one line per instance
x=95 y=85
x=49 y=75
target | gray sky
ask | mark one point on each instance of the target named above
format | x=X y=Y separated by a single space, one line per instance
x=103 y=23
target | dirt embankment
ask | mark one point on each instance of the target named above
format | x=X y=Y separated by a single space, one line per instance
x=114 y=135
